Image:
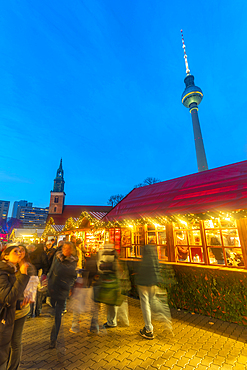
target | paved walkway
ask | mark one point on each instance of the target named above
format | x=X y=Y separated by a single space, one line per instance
x=199 y=342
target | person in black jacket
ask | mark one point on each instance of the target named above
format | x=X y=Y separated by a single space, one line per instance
x=62 y=276
x=12 y=287
x=39 y=260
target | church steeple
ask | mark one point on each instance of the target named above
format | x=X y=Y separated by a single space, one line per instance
x=57 y=194
x=59 y=180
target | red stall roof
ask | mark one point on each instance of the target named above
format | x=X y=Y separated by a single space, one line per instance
x=75 y=211
x=220 y=189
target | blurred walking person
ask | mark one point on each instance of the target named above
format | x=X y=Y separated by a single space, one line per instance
x=62 y=276
x=147 y=278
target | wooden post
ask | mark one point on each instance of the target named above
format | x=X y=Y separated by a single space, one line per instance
x=242 y=229
x=170 y=242
x=204 y=244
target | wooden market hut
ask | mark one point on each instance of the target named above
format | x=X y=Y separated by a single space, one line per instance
x=79 y=221
x=198 y=223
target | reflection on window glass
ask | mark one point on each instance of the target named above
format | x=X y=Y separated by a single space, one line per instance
x=152 y=238
x=230 y=238
x=162 y=237
x=213 y=237
x=195 y=225
x=195 y=237
x=216 y=256
x=234 y=257
x=197 y=255
x=228 y=223
x=181 y=238
x=162 y=253
x=178 y=225
x=183 y=253
x=211 y=224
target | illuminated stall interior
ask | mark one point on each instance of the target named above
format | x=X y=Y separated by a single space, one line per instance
x=84 y=227
x=195 y=219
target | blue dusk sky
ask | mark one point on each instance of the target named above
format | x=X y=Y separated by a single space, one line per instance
x=98 y=83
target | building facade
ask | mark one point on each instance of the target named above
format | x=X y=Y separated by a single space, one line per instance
x=33 y=217
x=17 y=207
x=4 y=209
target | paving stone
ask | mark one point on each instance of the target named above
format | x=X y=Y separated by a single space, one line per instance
x=226 y=367
x=207 y=361
x=182 y=362
x=242 y=359
x=214 y=367
x=189 y=367
x=134 y=364
x=195 y=361
x=239 y=367
x=179 y=354
x=218 y=360
x=170 y=363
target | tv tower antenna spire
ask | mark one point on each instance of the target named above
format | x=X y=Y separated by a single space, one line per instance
x=185 y=55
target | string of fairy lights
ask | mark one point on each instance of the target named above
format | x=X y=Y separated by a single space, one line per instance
x=95 y=224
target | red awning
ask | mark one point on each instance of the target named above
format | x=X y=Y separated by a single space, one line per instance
x=220 y=189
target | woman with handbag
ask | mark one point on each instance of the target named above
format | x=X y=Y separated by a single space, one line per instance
x=12 y=286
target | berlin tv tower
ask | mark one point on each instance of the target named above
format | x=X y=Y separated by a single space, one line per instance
x=191 y=98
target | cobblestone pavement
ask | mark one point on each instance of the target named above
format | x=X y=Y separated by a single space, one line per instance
x=199 y=342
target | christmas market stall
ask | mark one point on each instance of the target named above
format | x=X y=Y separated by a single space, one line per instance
x=198 y=224
x=81 y=221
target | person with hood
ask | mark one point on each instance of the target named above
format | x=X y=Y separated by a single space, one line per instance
x=12 y=286
x=62 y=276
x=147 y=278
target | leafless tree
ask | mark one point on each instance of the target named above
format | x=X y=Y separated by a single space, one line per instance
x=115 y=199
x=148 y=181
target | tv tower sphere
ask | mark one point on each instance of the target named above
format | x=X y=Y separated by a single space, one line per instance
x=192 y=94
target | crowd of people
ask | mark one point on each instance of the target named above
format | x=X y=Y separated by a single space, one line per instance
x=59 y=274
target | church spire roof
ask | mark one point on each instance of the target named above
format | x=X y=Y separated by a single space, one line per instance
x=59 y=180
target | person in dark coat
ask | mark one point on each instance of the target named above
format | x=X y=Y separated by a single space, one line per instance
x=147 y=278
x=12 y=287
x=50 y=251
x=62 y=276
x=39 y=260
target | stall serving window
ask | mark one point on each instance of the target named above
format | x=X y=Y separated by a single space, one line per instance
x=223 y=243
x=94 y=240
x=134 y=237
x=188 y=242
x=115 y=238
x=215 y=242
x=157 y=234
x=126 y=244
